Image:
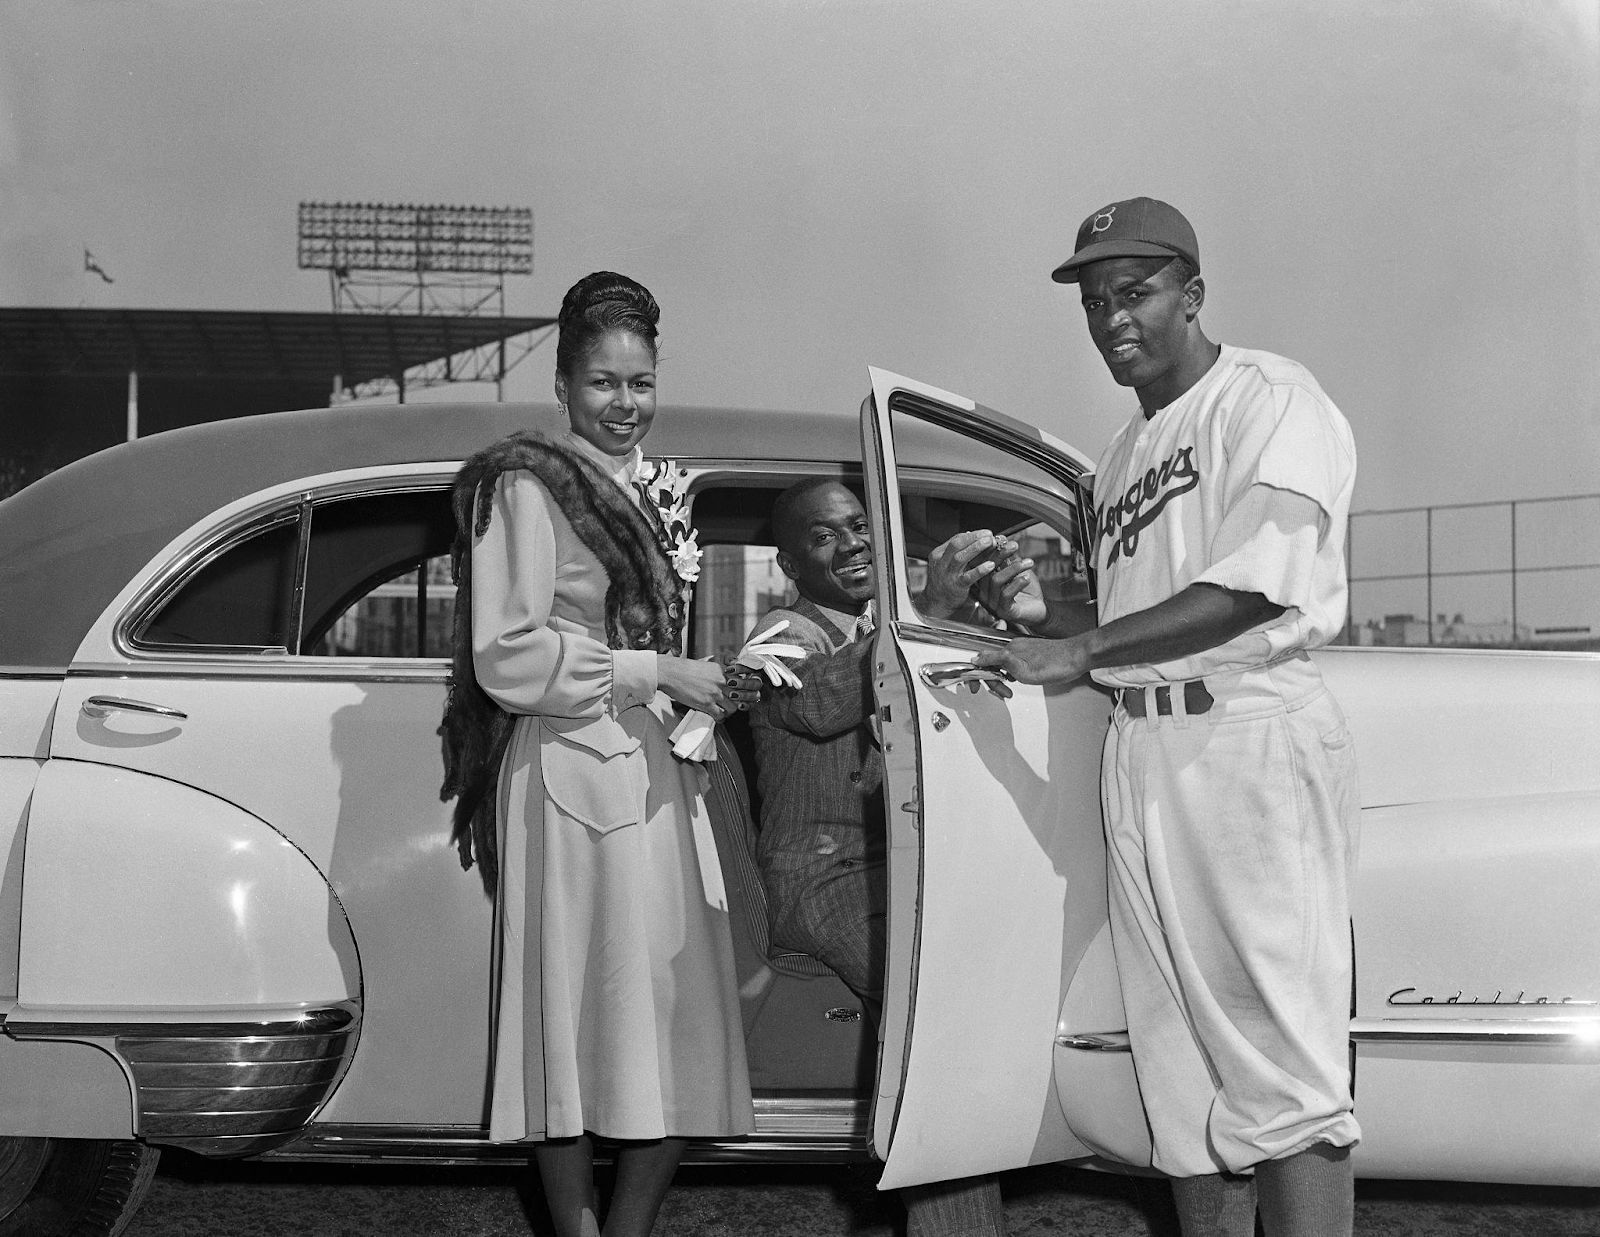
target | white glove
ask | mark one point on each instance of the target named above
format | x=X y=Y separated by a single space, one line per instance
x=692 y=739
x=765 y=654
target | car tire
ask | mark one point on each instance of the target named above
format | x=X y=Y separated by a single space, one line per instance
x=72 y=1187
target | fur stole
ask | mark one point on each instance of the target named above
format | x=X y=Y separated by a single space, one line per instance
x=644 y=610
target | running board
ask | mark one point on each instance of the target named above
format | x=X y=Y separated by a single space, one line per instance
x=819 y=1130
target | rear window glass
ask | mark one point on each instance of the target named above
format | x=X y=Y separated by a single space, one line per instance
x=376 y=584
x=240 y=600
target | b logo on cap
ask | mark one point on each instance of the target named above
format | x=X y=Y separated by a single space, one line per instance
x=1104 y=220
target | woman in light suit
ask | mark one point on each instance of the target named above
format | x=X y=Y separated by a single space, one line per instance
x=617 y=1012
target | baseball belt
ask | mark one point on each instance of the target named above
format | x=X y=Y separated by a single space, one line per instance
x=1196 y=699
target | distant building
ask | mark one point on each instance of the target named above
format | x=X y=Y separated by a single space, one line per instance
x=737 y=585
x=1407 y=630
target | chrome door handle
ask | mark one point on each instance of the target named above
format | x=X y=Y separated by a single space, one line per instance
x=100 y=706
x=1102 y=1041
x=953 y=674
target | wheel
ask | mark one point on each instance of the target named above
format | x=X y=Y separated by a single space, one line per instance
x=71 y=1187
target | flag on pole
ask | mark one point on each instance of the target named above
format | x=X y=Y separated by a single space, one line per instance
x=89 y=264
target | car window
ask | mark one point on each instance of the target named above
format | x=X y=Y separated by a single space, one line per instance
x=932 y=519
x=378 y=576
x=409 y=615
x=240 y=600
x=740 y=579
x=1020 y=492
x=376 y=583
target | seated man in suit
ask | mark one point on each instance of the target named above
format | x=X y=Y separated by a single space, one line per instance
x=821 y=844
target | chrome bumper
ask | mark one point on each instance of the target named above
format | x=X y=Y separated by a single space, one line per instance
x=225 y=1088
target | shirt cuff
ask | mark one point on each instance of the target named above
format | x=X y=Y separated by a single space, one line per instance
x=633 y=677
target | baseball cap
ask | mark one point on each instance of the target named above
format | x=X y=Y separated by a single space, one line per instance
x=1135 y=228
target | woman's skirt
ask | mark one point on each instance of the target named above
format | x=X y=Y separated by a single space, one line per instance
x=617 y=1007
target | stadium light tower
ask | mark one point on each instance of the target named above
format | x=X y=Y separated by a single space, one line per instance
x=449 y=261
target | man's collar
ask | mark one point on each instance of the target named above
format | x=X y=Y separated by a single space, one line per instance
x=842 y=621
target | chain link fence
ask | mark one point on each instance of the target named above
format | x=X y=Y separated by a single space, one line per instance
x=1515 y=574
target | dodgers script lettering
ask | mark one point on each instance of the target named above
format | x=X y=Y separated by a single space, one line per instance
x=1143 y=501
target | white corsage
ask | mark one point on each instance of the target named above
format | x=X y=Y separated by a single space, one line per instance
x=693 y=739
x=666 y=487
x=686 y=558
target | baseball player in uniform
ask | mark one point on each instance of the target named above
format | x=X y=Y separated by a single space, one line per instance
x=1228 y=778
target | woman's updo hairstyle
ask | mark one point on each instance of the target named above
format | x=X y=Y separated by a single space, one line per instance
x=600 y=303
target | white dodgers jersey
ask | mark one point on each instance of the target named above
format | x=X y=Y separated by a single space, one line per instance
x=1254 y=440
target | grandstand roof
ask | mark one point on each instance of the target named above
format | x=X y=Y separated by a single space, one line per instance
x=239 y=343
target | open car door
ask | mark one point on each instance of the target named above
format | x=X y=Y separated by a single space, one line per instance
x=996 y=857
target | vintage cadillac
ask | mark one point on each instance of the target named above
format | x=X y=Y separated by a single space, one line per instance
x=231 y=920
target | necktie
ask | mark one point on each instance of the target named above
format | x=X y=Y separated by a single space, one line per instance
x=865 y=623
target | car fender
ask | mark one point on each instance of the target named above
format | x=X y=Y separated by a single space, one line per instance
x=62 y=1089
x=142 y=892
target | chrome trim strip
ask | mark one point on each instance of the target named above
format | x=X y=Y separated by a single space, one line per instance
x=1507 y=1032
x=319 y=1020
x=967 y=639
x=230 y=1075
x=243 y=1051
x=1099 y=1041
x=994 y=429
x=310 y=1148
x=295 y=628
x=224 y=1092
x=300 y=669
x=1551 y=1032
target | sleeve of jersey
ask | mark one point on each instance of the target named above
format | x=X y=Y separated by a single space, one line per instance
x=1267 y=544
x=1292 y=439
x=1290 y=467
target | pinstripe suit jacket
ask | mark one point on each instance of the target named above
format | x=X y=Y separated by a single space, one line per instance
x=820 y=770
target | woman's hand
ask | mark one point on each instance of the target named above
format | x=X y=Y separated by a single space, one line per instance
x=743 y=686
x=696 y=684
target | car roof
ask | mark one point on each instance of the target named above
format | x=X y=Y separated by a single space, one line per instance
x=71 y=540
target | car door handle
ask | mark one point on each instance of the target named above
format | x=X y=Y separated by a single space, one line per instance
x=953 y=674
x=1101 y=1041
x=100 y=706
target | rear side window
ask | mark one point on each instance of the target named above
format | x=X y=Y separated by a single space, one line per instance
x=378 y=577
x=240 y=601
x=364 y=576
x=405 y=615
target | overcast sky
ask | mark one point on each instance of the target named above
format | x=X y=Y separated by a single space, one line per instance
x=1403 y=194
